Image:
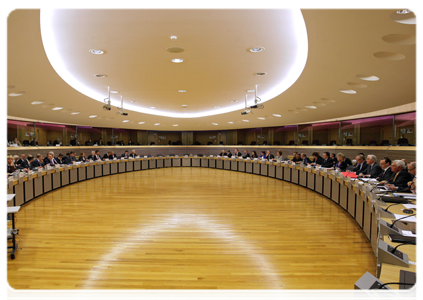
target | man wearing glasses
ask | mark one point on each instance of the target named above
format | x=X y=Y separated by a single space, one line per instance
x=410 y=186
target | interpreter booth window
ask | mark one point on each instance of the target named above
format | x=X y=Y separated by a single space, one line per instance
x=285 y=135
x=267 y=136
x=125 y=137
x=325 y=134
x=212 y=137
x=375 y=131
x=88 y=136
x=304 y=135
x=405 y=129
x=51 y=134
x=19 y=133
x=164 y=138
x=70 y=135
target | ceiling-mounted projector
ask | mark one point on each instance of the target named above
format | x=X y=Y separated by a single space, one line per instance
x=121 y=112
x=246 y=109
x=107 y=106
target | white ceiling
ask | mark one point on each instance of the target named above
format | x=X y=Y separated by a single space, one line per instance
x=218 y=67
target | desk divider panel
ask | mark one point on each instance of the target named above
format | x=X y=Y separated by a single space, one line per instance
x=271 y=169
x=90 y=171
x=29 y=189
x=204 y=162
x=65 y=177
x=176 y=162
x=121 y=167
x=374 y=233
x=234 y=165
x=311 y=179
x=256 y=168
x=106 y=169
x=335 y=191
x=38 y=186
x=264 y=169
x=47 y=183
x=249 y=167
x=227 y=164
x=303 y=177
x=327 y=187
x=219 y=163
x=144 y=164
x=351 y=202
x=168 y=163
x=287 y=173
x=295 y=175
x=113 y=168
x=212 y=163
x=186 y=162
x=367 y=218
x=241 y=166
x=18 y=190
x=137 y=165
x=56 y=180
x=279 y=172
x=359 y=211
x=159 y=163
x=98 y=170
x=319 y=183
x=130 y=165
x=11 y=202
x=152 y=164
x=82 y=174
x=343 y=196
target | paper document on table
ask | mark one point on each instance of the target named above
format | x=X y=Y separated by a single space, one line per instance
x=408 y=233
x=405 y=195
x=366 y=179
x=410 y=206
x=409 y=219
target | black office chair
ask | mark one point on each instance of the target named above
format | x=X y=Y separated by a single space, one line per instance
x=331 y=143
x=200 y=155
x=159 y=155
x=291 y=143
x=239 y=143
x=186 y=154
x=221 y=143
x=349 y=142
x=95 y=142
x=209 y=143
x=148 y=155
x=253 y=143
x=276 y=143
x=152 y=143
x=109 y=143
x=384 y=143
x=265 y=143
x=403 y=142
x=25 y=143
x=197 y=143
x=178 y=143
x=372 y=143
x=304 y=143
x=171 y=154
x=315 y=142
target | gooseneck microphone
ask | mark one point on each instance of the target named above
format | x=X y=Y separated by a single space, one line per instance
x=392 y=225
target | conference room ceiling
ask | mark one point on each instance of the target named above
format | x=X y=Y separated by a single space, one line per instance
x=340 y=48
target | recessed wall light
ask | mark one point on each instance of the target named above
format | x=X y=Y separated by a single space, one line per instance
x=245 y=120
x=153 y=107
x=141 y=122
x=177 y=60
x=234 y=101
x=16 y=94
x=348 y=92
x=215 y=124
x=217 y=107
x=256 y=49
x=93 y=116
x=182 y=91
x=260 y=118
x=114 y=92
x=403 y=11
x=368 y=77
x=96 y=51
x=230 y=122
x=173 y=37
x=156 y=124
x=175 y=125
x=75 y=113
x=311 y=106
x=260 y=73
x=57 y=108
x=184 y=105
x=37 y=102
x=276 y=115
x=251 y=91
x=125 y=121
x=134 y=101
x=99 y=75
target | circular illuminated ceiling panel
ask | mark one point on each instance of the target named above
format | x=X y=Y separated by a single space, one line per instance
x=144 y=72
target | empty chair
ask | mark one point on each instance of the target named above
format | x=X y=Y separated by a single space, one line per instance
x=315 y=142
x=265 y=143
x=174 y=143
x=402 y=142
x=159 y=155
x=253 y=143
x=209 y=143
x=373 y=143
x=277 y=143
x=384 y=143
x=349 y=142
x=152 y=143
x=109 y=143
x=331 y=143
x=291 y=143
x=221 y=143
x=171 y=154
x=197 y=143
x=304 y=143
x=178 y=143
x=239 y=143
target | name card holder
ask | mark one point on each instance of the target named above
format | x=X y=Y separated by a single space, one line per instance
x=10 y=183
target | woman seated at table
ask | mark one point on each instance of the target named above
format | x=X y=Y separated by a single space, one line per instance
x=82 y=157
x=279 y=155
x=263 y=155
x=341 y=164
x=254 y=154
x=10 y=165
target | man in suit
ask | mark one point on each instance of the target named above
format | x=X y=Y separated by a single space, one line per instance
x=229 y=154
x=126 y=154
x=222 y=153
x=72 y=157
x=100 y=142
x=57 y=142
x=37 y=162
x=246 y=154
x=108 y=155
x=411 y=185
x=304 y=159
x=51 y=161
x=34 y=142
x=318 y=160
x=20 y=160
x=66 y=160
x=327 y=161
x=133 y=154
x=401 y=176
x=373 y=168
x=26 y=163
x=59 y=158
x=91 y=156
x=97 y=155
x=88 y=143
x=113 y=155
x=386 y=173
x=269 y=155
x=237 y=153
x=360 y=166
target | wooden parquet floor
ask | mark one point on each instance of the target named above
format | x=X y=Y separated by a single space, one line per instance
x=187 y=228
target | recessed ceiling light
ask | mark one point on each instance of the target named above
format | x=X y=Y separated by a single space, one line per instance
x=217 y=107
x=260 y=73
x=114 y=92
x=177 y=60
x=215 y=124
x=173 y=37
x=276 y=115
x=156 y=124
x=175 y=125
x=230 y=122
x=348 y=91
x=141 y=122
x=251 y=91
x=311 y=106
x=153 y=107
x=256 y=49
x=245 y=120
x=99 y=75
x=57 y=108
x=184 y=105
x=37 y=102
x=93 y=116
x=260 y=118
x=182 y=91
x=134 y=101
x=96 y=51
x=368 y=77
x=403 y=11
x=16 y=94
x=125 y=121
x=234 y=101
x=75 y=113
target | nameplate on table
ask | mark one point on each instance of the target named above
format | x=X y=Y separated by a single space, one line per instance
x=10 y=183
x=176 y=156
x=114 y=158
x=57 y=145
x=211 y=155
x=106 y=159
x=186 y=156
x=29 y=172
x=74 y=163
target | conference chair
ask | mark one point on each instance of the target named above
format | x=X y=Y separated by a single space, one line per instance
x=349 y=142
x=209 y=143
x=331 y=143
x=253 y=143
x=200 y=155
x=291 y=143
x=239 y=143
x=25 y=143
x=152 y=143
x=221 y=143
x=304 y=143
x=372 y=143
x=276 y=143
x=265 y=143
x=403 y=142
x=315 y=142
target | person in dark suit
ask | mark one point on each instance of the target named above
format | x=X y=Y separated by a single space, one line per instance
x=341 y=164
x=222 y=153
x=411 y=185
x=133 y=154
x=57 y=142
x=246 y=154
x=327 y=161
x=348 y=161
x=108 y=155
x=37 y=162
x=294 y=157
x=82 y=157
x=401 y=176
x=131 y=143
x=66 y=160
x=51 y=160
x=317 y=159
x=113 y=155
x=237 y=153
x=254 y=154
x=269 y=155
x=386 y=173
x=100 y=142
x=360 y=166
x=126 y=154
x=304 y=159
x=229 y=154
x=91 y=156
x=26 y=163
x=373 y=168
x=34 y=142
x=297 y=158
x=88 y=143
x=20 y=160
x=97 y=155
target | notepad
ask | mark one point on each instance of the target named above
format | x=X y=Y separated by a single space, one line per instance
x=410 y=206
x=408 y=219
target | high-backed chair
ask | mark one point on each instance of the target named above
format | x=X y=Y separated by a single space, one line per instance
x=304 y=143
x=265 y=143
x=331 y=143
x=276 y=143
x=315 y=142
x=384 y=143
x=239 y=143
x=373 y=143
x=402 y=142
x=291 y=143
x=209 y=143
x=152 y=143
x=253 y=143
x=349 y=142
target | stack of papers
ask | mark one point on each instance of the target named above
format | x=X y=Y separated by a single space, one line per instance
x=408 y=233
x=410 y=206
x=409 y=219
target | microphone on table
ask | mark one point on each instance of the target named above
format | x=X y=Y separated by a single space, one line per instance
x=392 y=225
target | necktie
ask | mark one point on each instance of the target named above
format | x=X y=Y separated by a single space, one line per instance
x=395 y=178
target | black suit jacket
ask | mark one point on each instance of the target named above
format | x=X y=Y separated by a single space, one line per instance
x=66 y=160
x=19 y=161
x=342 y=166
x=270 y=156
x=84 y=159
x=385 y=175
x=229 y=154
x=319 y=160
x=402 y=179
x=36 y=163
x=133 y=155
x=360 y=169
x=328 y=163
x=125 y=156
x=348 y=161
x=305 y=160
x=246 y=155
x=88 y=143
x=25 y=164
x=373 y=171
